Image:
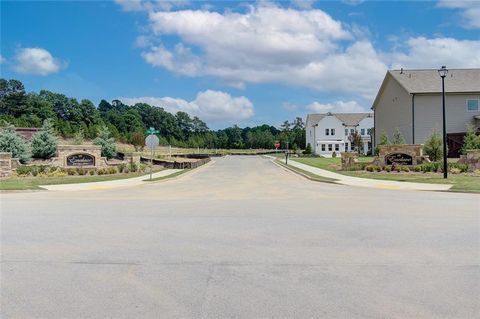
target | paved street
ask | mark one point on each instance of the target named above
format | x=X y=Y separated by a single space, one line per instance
x=240 y=238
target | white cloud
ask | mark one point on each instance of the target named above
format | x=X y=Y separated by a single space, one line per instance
x=209 y=105
x=336 y=107
x=36 y=61
x=145 y=5
x=433 y=53
x=469 y=11
x=305 y=48
x=2 y=59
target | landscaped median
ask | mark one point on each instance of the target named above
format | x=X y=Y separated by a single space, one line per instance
x=464 y=182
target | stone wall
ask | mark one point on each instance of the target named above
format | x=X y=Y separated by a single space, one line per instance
x=65 y=154
x=472 y=159
x=401 y=154
x=5 y=164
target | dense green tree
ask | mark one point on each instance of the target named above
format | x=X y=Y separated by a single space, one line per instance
x=433 y=146
x=398 y=137
x=104 y=139
x=11 y=142
x=471 y=140
x=44 y=142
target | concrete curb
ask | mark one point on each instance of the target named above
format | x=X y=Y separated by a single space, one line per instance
x=366 y=182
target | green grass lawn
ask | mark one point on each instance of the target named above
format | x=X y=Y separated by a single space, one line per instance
x=307 y=174
x=24 y=183
x=461 y=182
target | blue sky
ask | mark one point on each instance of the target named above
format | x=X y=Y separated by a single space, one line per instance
x=233 y=62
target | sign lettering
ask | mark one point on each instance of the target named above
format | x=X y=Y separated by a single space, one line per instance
x=81 y=160
x=398 y=158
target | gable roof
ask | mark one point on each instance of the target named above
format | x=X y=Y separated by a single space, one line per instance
x=428 y=81
x=348 y=119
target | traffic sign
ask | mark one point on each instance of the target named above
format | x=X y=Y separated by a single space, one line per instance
x=152 y=141
x=152 y=131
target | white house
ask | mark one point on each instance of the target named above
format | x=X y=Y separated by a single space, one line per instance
x=330 y=132
x=411 y=100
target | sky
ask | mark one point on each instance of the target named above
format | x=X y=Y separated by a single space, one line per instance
x=233 y=62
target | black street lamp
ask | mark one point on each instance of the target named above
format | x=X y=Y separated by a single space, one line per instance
x=443 y=73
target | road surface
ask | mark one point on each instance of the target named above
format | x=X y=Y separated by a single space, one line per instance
x=240 y=238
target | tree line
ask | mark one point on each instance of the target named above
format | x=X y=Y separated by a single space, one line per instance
x=127 y=123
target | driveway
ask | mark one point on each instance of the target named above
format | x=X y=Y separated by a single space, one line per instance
x=240 y=238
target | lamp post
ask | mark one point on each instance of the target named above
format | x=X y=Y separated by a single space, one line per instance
x=443 y=73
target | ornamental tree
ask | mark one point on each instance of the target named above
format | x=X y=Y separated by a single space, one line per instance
x=109 y=148
x=11 y=142
x=471 y=141
x=398 y=137
x=433 y=146
x=44 y=143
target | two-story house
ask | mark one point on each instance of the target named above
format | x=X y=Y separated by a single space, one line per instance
x=411 y=100
x=331 y=132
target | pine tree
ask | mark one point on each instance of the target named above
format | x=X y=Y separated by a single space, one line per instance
x=433 y=146
x=11 y=142
x=44 y=143
x=398 y=137
x=471 y=140
x=109 y=149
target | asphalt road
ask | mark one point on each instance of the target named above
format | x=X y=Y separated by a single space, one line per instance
x=240 y=238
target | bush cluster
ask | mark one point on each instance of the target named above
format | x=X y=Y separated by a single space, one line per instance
x=53 y=171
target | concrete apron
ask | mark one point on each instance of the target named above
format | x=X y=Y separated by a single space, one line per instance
x=372 y=183
x=134 y=181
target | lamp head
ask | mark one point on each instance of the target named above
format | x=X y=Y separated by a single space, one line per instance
x=443 y=71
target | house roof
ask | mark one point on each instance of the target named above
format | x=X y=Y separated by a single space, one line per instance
x=348 y=119
x=428 y=81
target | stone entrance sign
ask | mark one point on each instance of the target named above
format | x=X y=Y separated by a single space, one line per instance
x=80 y=160
x=403 y=154
x=88 y=156
x=398 y=158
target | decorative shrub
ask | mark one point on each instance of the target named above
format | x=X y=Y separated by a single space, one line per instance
x=143 y=167
x=388 y=169
x=418 y=168
x=369 y=168
x=44 y=143
x=91 y=172
x=462 y=168
x=455 y=170
x=71 y=171
x=377 y=168
x=10 y=141
x=133 y=167
x=112 y=170
x=23 y=170
x=334 y=154
x=101 y=171
x=121 y=167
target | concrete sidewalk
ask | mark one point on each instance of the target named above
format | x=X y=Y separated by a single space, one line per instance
x=127 y=182
x=366 y=182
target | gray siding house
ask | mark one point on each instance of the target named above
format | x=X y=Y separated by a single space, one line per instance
x=411 y=100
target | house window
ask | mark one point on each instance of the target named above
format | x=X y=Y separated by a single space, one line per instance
x=346 y=131
x=346 y=147
x=329 y=147
x=352 y=130
x=332 y=131
x=327 y=131
x=362 y=131
x=323 y=147
x=472 y=106
x=337 y=147
x=369 y=131
x=310 y=133
x=351 y=147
